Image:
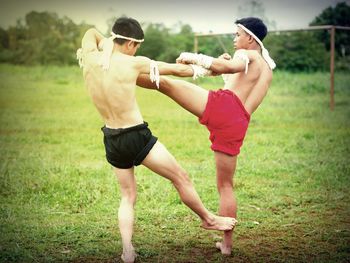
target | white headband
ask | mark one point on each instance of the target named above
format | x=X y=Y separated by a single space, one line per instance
x=107 y=45
x=114 y=35
x=264 y=52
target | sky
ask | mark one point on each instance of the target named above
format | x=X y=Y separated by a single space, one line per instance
x=215 y=16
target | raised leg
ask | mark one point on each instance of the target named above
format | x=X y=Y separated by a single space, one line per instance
x=127 y=184
x=225 y=168
x=189 y=96
x=160 y=161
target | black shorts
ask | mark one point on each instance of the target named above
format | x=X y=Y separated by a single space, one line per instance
x=128 y=147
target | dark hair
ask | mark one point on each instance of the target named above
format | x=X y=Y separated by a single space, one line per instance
x=254 y=24
x=127 y=27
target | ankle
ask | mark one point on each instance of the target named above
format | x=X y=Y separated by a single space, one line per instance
x=128 y=249
x=209 y=219
x=226 y=245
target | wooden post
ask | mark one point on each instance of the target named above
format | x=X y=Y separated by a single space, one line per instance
x=332 y=68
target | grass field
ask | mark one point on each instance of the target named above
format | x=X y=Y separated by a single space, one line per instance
x=59 y=197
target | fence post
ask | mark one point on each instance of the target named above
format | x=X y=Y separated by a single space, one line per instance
x=332 y=68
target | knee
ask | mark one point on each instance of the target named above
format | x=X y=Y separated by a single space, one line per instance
x=224 y=186
x=182 y=178
x=129 y=196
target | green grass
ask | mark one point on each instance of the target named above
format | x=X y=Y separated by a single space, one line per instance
x=59 y=197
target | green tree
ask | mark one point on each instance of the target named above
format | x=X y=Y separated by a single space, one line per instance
x=42 y=38
x=5 y=54
x=177 y=43
x=215 y=45
x=4 y=39
x=156 y=41
x=297 y=51
x=338 y=16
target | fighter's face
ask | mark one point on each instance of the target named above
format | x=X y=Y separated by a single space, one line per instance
x=241 y=38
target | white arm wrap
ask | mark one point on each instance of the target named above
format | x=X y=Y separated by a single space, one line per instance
x=241 y=54
x=198 y=59
x=154 y=72
x=80 y=57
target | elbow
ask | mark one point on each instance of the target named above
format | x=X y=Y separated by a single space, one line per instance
x=91 y=30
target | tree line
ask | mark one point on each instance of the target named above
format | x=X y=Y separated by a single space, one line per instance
x=45 y=38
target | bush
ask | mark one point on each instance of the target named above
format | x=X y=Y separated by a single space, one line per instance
x=298 y=51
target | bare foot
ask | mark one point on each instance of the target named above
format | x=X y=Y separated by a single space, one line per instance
x=225 y=250
x=128 y=256
x=219 y=223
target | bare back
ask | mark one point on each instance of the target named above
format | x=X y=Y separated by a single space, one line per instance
x=252 y=87
x=113 y=91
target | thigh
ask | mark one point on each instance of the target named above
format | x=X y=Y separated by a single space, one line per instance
x=189 y=96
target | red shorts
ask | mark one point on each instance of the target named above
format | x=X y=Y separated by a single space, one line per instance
x=227 y=121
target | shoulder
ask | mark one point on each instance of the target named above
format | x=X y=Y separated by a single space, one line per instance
x=142 y=59
x=245 y=54
x=141 y=62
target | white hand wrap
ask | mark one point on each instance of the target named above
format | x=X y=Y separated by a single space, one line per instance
x=199 y=71
x=198 y=59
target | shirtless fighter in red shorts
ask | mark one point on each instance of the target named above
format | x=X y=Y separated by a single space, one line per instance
x=226 y=112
